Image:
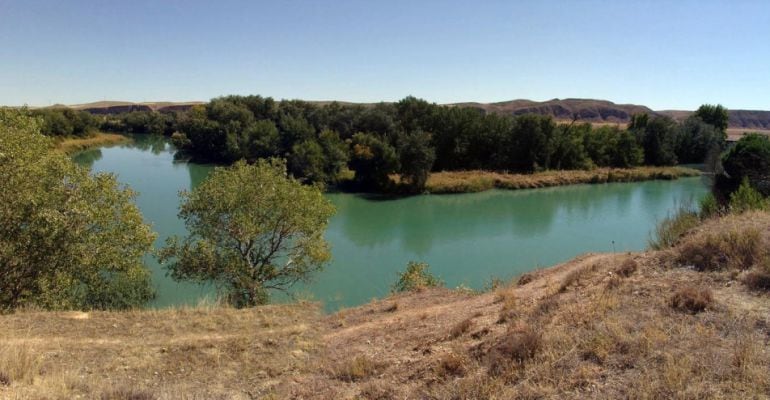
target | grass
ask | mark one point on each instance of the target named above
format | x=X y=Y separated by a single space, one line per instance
x=692 y=299
x=739 y=247
x=595 y=339
x=74 y=144
x=668 y=231
x=478 y=181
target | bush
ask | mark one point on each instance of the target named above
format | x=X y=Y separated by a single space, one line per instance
x=518 y=345
x=746 y=198
x=460 y=328
x=691 y=299
x=734 y=249
x=416 y=277
x=758 y=279
x=748 y=159
x=627 y=268
x=451 y=364
x=709 y=206
x=357 y=369
x=128 y=394
x=668 y=232
x=525 y=279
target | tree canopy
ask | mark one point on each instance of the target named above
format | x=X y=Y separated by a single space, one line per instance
x=251 y=229
x=68 y=239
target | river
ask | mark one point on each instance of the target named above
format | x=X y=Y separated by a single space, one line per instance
x=467 y=239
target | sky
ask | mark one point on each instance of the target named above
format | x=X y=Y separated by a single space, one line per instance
x=663 y=54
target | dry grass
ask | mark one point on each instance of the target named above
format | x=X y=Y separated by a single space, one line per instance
x=74 y=145
x=478 y=181
x=627 y=268
x=583 y=342
x=738 y=247
x=461 y=328
x=692 y=299
x=357 y=369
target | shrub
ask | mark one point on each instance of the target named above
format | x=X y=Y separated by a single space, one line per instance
x=668 y=231
x=451 y=364
x=691 y=299
x=518 y=345
x=5 y=380
x=525 y=279
x=748 y=159
x=758 y=279
x=416 y=277
x=709 y=206
x=508 y=311
x=392 y=308
x=357 y=369
x=460 y=328
x=627 y=268
x=128 y=394
x=746 y=198
x=571 y=279
x=736 y=248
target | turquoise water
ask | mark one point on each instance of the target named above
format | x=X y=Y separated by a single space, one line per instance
x=467 y=239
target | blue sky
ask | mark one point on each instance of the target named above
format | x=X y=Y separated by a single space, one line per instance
x=664 y=54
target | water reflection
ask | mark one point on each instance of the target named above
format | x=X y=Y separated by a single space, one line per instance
x=465 y=238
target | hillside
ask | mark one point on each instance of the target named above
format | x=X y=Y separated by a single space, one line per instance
x=587 y=110
x=642 y=325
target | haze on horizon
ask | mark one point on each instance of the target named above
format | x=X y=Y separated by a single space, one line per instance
x=665 y=55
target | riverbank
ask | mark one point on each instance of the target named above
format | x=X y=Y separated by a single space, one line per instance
x=73 y=145
x=634 y=325
x=479 y=181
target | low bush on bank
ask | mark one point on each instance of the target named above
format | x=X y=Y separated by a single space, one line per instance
x=668 y=231
x=692 y=299
x=416 y=277
x=739 y=248
x=759 y=278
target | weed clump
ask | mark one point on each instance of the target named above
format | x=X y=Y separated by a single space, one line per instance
x=525 y=279
x=518 y=345
x=451 y=365
x=461 y=328
x=732 y=249
x=357 y=369
x=758 y=279
x=668 y=231
x=692 y=299
x=128 y=394
x=416 y=277
x=5 y=380
x=627 y=268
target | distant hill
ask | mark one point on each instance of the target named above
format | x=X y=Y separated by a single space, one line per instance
x=117 y=107
x=587 y=110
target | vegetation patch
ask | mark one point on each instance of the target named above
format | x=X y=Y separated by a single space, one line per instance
x=734 y=248
x=357 y=369
x=128 y=394
x=758 y=279
x=451 y=365
x=692 y=299
x=71 y=145
x=627 y=268
x=673 y=227
x=461 y=328
x=518 y=345
x=415 y=277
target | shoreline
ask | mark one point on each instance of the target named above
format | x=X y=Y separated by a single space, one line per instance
x=73 y=145
x=455 y=182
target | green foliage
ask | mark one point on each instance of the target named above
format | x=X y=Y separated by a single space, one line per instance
x=709 y=206
x=374 y=160
x=252 y=229
x=746 y=198
x=714 y=115
x=697 y=139
x=668 y=231
x=68 y=240
x=66 y=122
x=748 y=159
x=417 y=157
x=657 y=136
x=415 y=277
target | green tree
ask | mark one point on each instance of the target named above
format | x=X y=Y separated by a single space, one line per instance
x=696 y=140
x=374 y=160
x=658 y=138
x=714 y=115
x=417 y=157
x=251 y=229
x=748 y=159
x=68 y=240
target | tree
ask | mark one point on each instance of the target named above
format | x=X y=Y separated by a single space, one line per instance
x=417 y=157
x=68 y=240
x=714 y=115
x=251 y=229
x=696 y=140
x=658 y=138
x=748 y=159
x=374 y=160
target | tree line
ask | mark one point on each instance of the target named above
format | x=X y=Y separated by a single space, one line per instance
x=411 y=138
